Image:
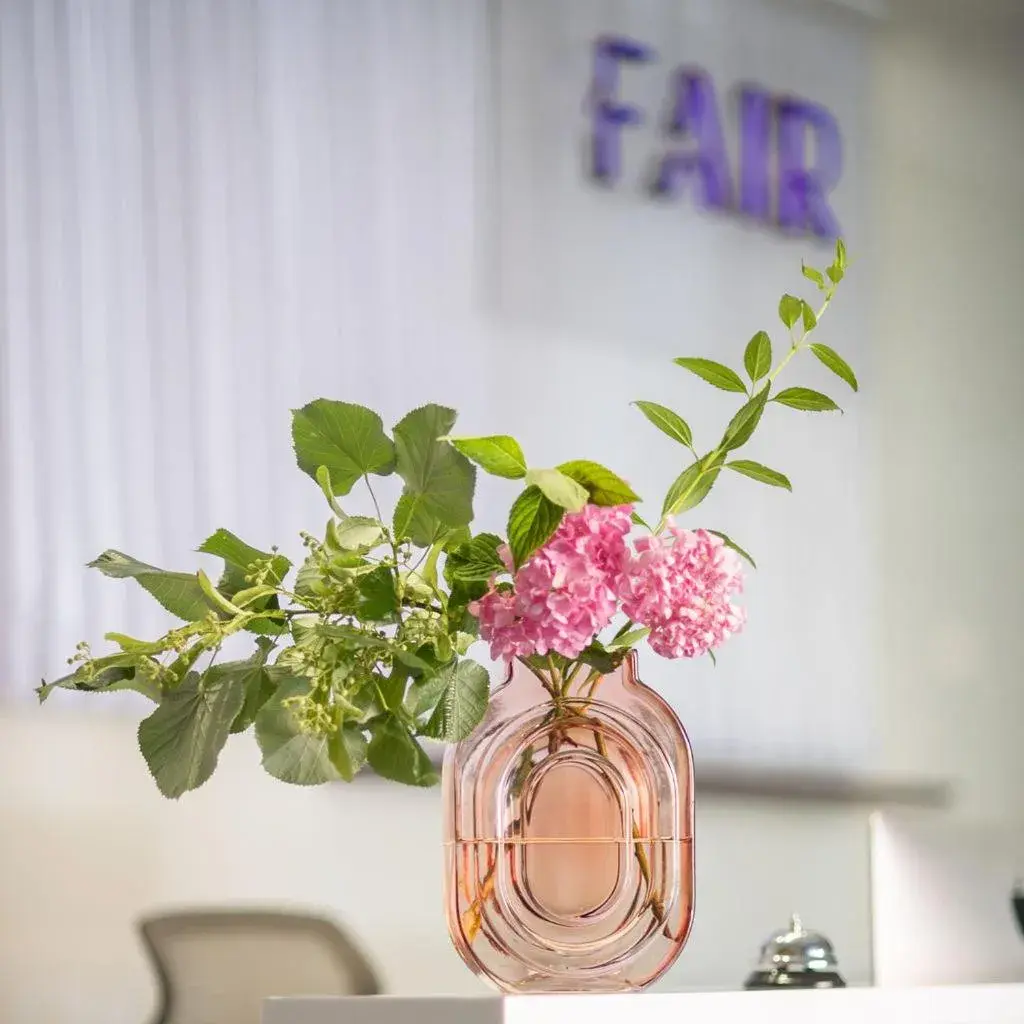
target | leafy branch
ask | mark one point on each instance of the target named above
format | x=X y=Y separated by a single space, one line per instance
x=801 y=319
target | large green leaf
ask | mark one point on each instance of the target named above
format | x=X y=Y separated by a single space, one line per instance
x=559 y=488
x=178 y=592
x=760 y=473
x=604 y=487
x=182 y=739
x=835 y=362
x=394 y=754
x=742 y=426
x=667 y=421
x=714 y=373
x=499 y=455
x=531 y=521
x=289 y=754
x=476 y=561
x=347 y=439
x=439 y=480
x=462 y=702
x=806 y=400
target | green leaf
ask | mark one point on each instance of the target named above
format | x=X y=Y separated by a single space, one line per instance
x=742 y=426
x=760 y=473
x=806 y=400
x=323 y=478
x=394 y=754
x=347 y=751
x=424 y=694
x=214 y=596
x=790 y=308
x=182 y=739
x=410 y=659
x=462 y=702
x=392 y=687
x=692 y=486
x=439 y=480
x=835 y=273
x=348 y=440
x=603 y=660
x=730 y=543
x=840 y=260
x=476 y=561
x=604 y=487
x=629 y=640
x=810 y=318
x=638 y=520
x=242 y=557
x=122 y=675
x=253 y=596
x=835 y=362
x=714 y=373
x=667 y=421
x=130 y=645
x=559 y=488
x=531 y=521
x=351 y=636
x=259 y=687
x=499 y=455
x=357 y=533
x=178 y=592
x=378 y=599
x=813 y=275
x=758 y=357
x=289 y=754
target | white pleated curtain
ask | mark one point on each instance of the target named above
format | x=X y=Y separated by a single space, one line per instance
x=213 y=211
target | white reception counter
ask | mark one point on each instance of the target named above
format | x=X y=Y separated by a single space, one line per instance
x=969 y=1004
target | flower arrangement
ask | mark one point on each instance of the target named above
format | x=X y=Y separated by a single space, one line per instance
x=363 y=652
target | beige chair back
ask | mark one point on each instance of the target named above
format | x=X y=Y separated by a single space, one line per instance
x=217 y=967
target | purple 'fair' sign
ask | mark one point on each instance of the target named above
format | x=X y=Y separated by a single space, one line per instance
x=775 y=182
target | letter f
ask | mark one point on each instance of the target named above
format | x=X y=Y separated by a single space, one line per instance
x=609 y=116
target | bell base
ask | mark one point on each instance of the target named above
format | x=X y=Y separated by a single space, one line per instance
x=793 y=979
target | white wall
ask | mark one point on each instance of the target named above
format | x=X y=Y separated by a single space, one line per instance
x=85 y=842
x=948 y=259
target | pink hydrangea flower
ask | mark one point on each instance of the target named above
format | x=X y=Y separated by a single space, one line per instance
x=566 y=592
x=679 y=585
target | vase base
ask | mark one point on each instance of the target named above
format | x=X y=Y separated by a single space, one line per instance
x=547 y=985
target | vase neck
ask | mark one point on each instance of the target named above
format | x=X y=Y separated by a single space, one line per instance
x=550 y=682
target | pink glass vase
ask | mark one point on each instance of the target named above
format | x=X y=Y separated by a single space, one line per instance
x=569 y=834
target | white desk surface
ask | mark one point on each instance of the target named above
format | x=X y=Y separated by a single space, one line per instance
x=969 y=1004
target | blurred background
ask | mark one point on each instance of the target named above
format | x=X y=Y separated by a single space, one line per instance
x=214 y=211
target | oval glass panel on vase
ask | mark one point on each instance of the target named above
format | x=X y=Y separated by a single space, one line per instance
x=569 y=833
